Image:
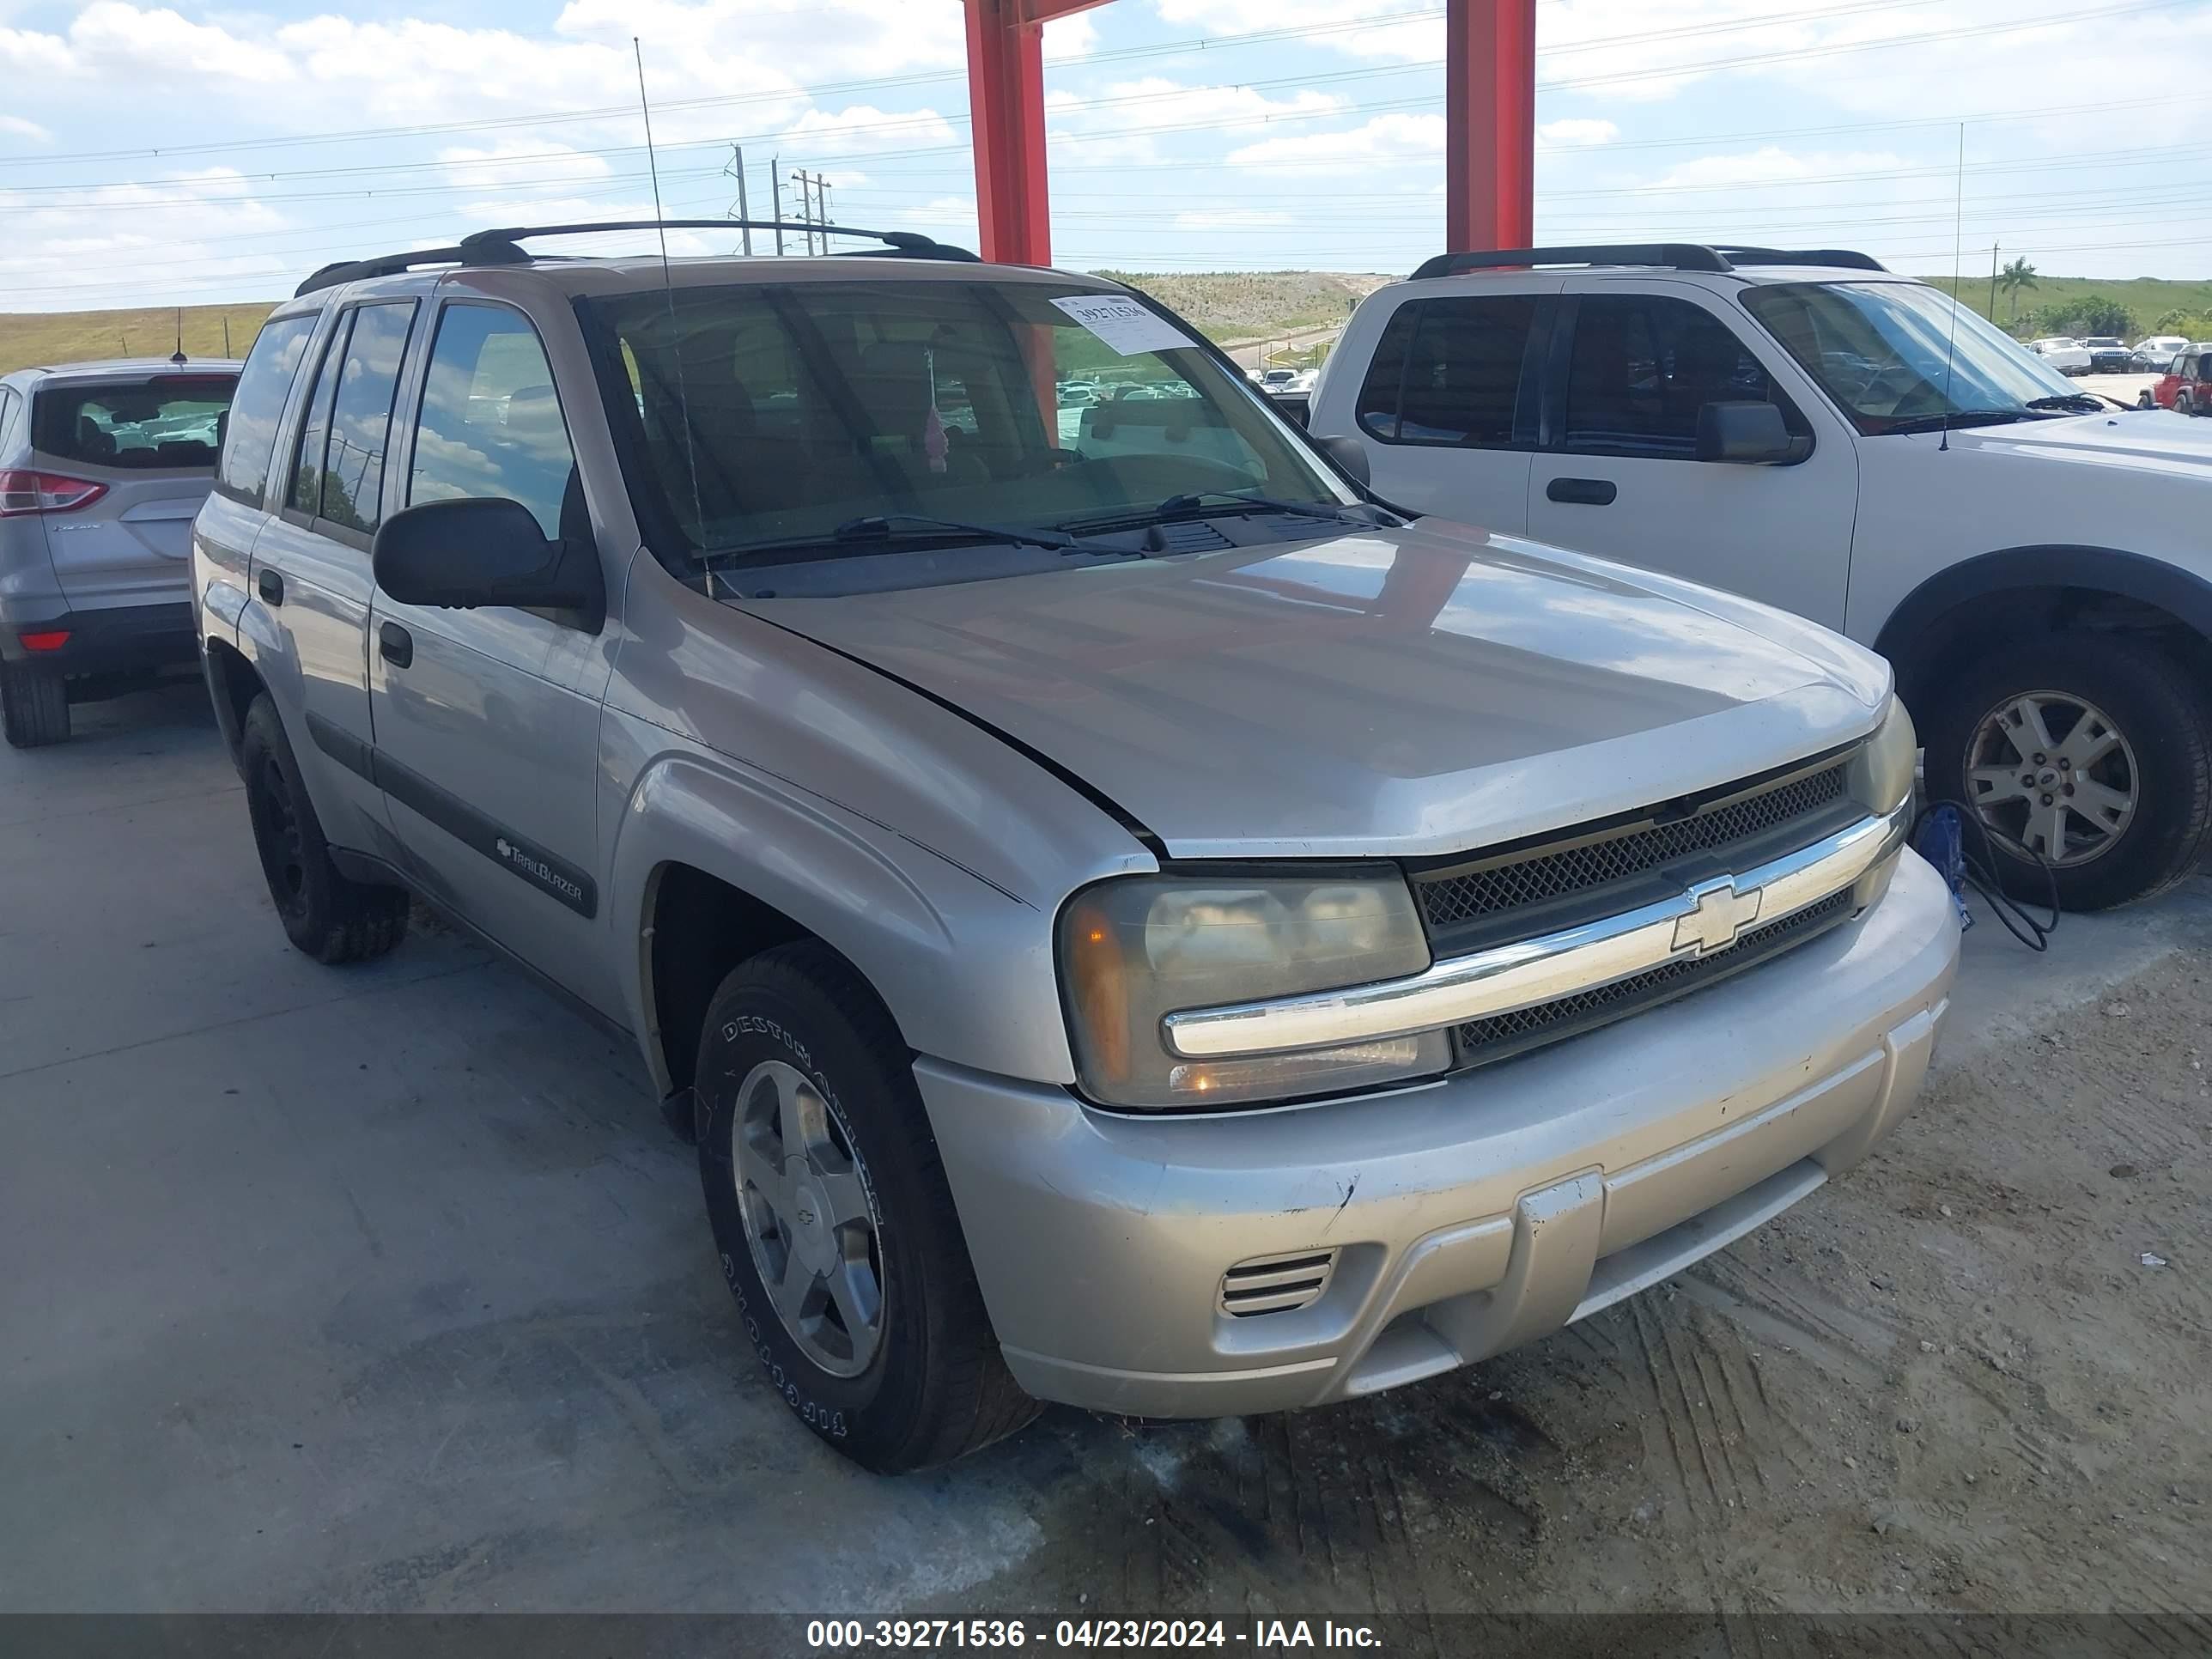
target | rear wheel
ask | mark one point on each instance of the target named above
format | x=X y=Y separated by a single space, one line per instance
x=834 y=1224
x=332 y=919
x=2095 y=753
x=33 y=705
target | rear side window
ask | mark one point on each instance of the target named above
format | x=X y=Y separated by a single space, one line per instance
x=1449 y=371
x=169 y=423
x=360 y=417
x=262 y=386
x=305 y=494
x=491 y=426
x=1643 y=366
x=10 y=400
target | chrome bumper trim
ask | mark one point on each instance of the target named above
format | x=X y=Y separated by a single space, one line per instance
x=1706 y=918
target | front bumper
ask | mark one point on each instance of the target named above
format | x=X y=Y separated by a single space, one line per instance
x=1458 y=1219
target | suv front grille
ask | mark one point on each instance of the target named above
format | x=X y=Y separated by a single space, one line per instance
x=1481 y=1040
x=1452 y=901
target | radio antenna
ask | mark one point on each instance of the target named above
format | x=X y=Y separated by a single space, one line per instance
x=178 y=360
x=1958 y=277
x=668 y=290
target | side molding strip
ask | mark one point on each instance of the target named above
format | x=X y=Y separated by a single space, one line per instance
x=554 y=876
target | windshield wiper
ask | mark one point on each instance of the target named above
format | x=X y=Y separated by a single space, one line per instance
x=1957 y=419
x=2082 y=403
x=1196 y=505
x=861 y=536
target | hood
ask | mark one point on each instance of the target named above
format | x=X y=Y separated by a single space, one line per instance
x=2135 y=440
x=1389 y=692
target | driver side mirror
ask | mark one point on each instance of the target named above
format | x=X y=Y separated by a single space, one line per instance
x=465 y=554
x=1350 y=456
x=1748 y=433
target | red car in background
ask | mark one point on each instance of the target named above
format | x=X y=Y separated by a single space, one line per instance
x=2185 y=387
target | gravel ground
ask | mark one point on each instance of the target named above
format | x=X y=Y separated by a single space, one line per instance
x=1970 y=1376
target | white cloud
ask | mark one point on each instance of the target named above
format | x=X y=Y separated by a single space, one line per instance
x=1382 y=138
x=18 y=126
x=521 y=161
x=1359 y=28
x=1772 y=164
x=1231 y=219
x=863 y=126
x=1577 y=132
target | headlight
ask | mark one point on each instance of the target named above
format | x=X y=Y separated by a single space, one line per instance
x=1134 y=950
x=1882 y=772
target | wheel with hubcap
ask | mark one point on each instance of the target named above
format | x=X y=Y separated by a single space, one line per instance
x=2093 y=754
x=332 y=919
x=835 y=1226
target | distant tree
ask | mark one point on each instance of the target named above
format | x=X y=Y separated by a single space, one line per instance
x=2016 y=275
x=2092 y=314
x=2194 y=324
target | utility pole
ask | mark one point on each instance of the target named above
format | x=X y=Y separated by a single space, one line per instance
x=737 y=167
x=822 y=200
x=1993 y=282
x=775 y=200
x=804 y=180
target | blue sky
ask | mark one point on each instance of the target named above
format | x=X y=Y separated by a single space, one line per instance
x=151 y=154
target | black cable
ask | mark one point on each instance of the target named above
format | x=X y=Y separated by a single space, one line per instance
x=1981 y=875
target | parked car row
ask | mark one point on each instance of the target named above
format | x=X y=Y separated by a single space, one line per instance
x=1139 y=905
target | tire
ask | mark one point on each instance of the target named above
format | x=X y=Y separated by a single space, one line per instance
x=795 y=1037
x=2150 y=733
x=2144 y=400
x=33 y=705
x=332 y=919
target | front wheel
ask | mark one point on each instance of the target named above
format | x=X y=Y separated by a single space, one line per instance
x=2094 y=753
x=834 y=1223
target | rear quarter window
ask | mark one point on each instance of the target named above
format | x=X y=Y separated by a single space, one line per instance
x=173 y=423
x=263 y=387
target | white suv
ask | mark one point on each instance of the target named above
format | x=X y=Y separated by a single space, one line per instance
x=1809 y=430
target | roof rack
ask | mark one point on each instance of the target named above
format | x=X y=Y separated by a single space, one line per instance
x=1799 y=255
x=1674 y=256
x=1679 y=255
x=503 y=247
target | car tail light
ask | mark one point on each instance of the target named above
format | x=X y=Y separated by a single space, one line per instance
x=23 y=492
x=53 y=639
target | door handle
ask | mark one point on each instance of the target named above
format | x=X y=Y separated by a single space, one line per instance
x=1583 y=492
x=395 y=644
x=272 y=587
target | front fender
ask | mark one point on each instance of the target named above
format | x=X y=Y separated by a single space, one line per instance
x=965 y=967
x=2180 y=592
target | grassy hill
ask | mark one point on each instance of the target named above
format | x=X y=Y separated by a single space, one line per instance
x=2146 y=300
x=69 y=336
x=1251 y=305
x=1225 y=306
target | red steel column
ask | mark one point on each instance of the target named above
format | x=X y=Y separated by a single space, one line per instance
x=1006 y=100
x=1490 y=141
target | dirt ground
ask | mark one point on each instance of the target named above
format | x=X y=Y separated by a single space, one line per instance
x=1971 y=1377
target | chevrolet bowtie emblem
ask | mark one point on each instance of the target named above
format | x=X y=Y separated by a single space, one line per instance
x=1718 y=914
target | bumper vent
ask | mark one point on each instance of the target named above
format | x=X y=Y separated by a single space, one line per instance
x=1483 y=1040
x=1453 y=900
x=1276 y=1284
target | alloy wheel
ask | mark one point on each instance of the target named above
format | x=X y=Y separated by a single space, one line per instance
x=2052 y=771
x=809 y=1219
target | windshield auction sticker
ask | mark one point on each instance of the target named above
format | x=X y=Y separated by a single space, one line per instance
x=1123 y=325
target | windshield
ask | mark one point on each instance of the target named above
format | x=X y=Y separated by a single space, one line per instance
x=760 y=416
x=1884 y=352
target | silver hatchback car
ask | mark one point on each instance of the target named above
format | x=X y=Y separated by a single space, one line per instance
x=102 y=467
x=1127 y=917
